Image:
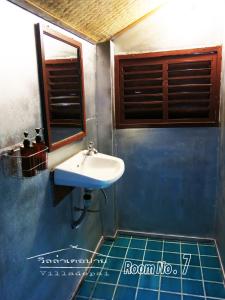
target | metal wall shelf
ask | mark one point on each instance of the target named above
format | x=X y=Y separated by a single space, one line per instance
x=16 y=165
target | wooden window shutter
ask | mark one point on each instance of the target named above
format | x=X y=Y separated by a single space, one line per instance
x=173 y=88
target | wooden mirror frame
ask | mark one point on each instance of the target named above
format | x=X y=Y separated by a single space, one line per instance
x=40 y=31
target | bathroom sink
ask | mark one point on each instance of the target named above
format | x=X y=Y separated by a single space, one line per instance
x=94 y=171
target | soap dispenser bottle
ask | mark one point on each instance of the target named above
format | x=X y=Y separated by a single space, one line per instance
x=27 y=158
x=40 y=150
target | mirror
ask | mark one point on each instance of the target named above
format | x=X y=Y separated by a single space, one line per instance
x=62 y=87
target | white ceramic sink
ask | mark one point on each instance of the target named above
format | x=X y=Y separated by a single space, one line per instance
x=96 y=171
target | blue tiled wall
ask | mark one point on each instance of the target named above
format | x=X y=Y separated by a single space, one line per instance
x=169 y=185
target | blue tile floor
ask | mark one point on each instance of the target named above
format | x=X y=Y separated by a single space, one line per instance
x=188 y=271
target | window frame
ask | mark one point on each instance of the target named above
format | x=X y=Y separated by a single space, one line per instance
x=171 y=56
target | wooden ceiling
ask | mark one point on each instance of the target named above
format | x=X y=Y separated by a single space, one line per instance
x=98 y=20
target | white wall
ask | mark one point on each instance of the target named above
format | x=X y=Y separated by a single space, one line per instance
x=179 y=24
x=20 y=103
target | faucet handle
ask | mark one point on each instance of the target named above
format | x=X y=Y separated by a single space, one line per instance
x=90 y=145
x=91 y=149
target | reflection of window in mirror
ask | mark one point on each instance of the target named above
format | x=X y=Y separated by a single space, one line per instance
x=62 y=67
x=62 y=71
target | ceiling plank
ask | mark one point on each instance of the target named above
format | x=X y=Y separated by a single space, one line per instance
x=30 y=7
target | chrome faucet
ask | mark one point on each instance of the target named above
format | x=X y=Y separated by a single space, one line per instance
x=91 y=150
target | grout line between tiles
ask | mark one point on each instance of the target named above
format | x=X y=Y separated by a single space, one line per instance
x=142 y=261
x=139 y=278
x=97 y=280
x=221 y=263
x=181 y=273
x=165 y=251
x=164 y=236
x=203 y=241
x=160 y=278
x=189 y=279
x=203 y=283
x=114 y=292
x=153 y=261
x=155 y=290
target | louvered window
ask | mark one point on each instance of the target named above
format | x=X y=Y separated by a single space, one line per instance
x=64 y=88
x=175 y=88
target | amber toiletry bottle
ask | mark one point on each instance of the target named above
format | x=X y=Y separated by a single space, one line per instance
x=40 y=150
x=27 y=158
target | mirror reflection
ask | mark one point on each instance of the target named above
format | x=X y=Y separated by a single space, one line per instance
x=61 y=64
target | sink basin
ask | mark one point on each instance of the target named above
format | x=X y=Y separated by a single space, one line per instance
x=96 y=171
